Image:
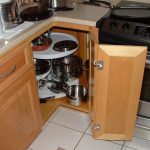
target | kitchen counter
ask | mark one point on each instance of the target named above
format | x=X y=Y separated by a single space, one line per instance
x=81 y=14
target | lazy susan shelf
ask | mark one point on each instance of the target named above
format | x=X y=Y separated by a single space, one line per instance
x=45 y=92
x=50 y=53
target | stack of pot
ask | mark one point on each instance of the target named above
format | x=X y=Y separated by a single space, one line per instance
x=66 y=68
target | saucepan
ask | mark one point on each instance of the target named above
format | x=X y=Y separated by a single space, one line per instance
x=41 y=66
x=76 y=93
x=67 y=67
x=41 y=43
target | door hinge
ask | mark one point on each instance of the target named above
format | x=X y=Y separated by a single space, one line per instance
x=99 y=64
x=96 y=127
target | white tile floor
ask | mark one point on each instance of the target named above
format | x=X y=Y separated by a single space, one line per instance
x=70 y=130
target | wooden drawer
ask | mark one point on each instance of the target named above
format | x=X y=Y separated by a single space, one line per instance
x=14 y=63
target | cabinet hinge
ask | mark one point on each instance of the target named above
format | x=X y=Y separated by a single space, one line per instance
x=99 y=64
x=96 y=127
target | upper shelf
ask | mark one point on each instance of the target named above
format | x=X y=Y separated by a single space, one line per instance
x=50 y=53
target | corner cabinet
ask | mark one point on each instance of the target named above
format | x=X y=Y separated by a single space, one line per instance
x=116 y=74
x=20 y=118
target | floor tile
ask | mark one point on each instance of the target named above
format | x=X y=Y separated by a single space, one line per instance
x=72 y=119
x=88 y=131
x=88 y=143
x=127 y=148
x=53 y=115
x=55 y=136
x=139 y=144
x=141 y=133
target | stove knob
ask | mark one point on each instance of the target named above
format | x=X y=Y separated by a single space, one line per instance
x=113 y=25
x=126 y=27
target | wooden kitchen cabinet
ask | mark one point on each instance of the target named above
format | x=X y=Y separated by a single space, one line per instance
x=114 y=87
x=116 y=74
x=20 y=118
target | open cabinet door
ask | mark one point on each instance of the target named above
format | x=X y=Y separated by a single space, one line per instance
x=116 y=79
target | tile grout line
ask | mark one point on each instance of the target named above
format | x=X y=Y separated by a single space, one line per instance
x=123 y=145
x=49 y=121
x=127 y=147
x=55 y=113
x=81 y=137
x=106 y=140
x=66 y=127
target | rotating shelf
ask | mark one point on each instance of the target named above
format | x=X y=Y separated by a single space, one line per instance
x=50 y=53
x=45 y=92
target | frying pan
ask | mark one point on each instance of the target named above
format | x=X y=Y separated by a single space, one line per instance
x=35 y=13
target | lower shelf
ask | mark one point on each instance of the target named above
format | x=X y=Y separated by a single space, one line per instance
x=48 y=108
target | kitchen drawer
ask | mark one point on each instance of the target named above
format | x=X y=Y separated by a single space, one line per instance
x=14 y=63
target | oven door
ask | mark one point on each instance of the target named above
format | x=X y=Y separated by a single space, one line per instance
x=143 y=115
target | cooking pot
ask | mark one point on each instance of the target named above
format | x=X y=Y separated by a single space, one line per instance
x=76 y=93
x=58 y=3
x=41 y=43
x=67 y=67
x=41 y=66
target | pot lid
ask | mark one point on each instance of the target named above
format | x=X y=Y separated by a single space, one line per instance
x=35 y=13
x=65 y=45
x=131 y=13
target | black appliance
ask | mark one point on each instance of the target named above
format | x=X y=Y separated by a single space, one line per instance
x=128 y=23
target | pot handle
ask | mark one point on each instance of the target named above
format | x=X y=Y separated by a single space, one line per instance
x=44 y=100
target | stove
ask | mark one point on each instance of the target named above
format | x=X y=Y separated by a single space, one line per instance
x=128 y=23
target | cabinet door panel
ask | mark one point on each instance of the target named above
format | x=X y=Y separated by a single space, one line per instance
x=20 y=119
x=116 y=90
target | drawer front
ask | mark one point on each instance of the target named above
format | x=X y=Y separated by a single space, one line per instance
x=15 y=63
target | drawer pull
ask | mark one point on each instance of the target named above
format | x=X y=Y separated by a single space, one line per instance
x=8 y=72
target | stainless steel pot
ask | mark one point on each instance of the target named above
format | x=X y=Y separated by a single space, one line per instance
x=67 y=67
x=41 y=66
x=9 y=15
x=58 y=3
x=76 y=93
